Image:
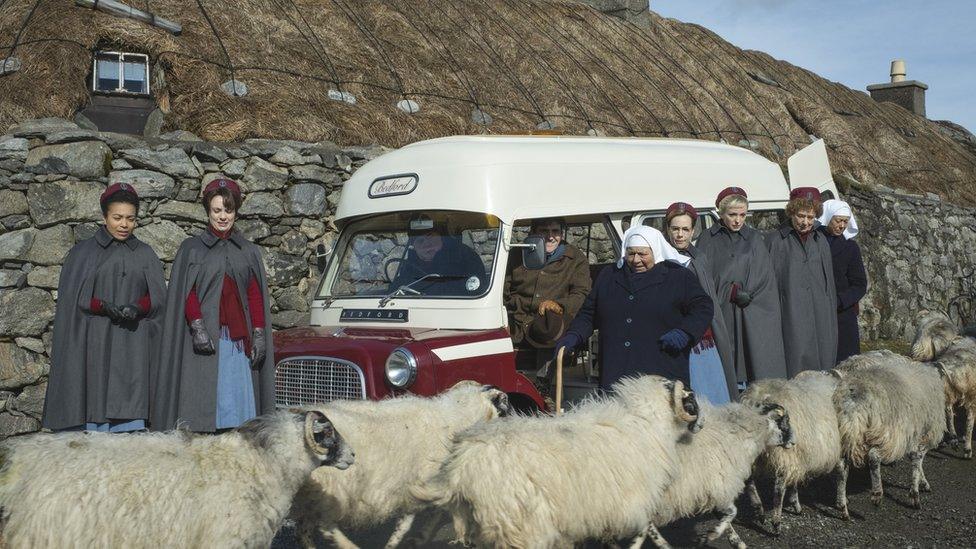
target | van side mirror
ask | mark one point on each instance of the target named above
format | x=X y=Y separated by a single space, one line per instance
x=322 y=257
x=534 y=252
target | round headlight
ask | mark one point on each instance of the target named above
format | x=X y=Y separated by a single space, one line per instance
x=401 y=368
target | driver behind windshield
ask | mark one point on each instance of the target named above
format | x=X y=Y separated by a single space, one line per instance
x=451 y=267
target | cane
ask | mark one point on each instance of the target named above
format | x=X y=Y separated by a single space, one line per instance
x=559 y=381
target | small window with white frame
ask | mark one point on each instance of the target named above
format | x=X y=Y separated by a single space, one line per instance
x=118 y=72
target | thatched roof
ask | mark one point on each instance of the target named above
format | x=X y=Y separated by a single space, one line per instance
x=523 y=62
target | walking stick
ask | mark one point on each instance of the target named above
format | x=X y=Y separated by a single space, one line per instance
x=559 y=381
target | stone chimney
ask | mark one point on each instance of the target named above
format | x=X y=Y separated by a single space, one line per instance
x=907 y=93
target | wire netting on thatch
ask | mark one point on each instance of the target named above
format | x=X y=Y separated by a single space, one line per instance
x=525 y=63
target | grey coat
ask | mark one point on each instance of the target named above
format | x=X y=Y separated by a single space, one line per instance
x=100 y=369
x=756 y=330
x=185 y=391
x=723 y=342
x=808 y=297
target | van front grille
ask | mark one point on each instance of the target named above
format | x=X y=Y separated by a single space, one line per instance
x=308 y=380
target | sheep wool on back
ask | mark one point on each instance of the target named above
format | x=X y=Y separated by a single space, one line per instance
x=537 y=482
x=152 y=490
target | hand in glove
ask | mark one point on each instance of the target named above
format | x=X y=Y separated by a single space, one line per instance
x=201 y=339
x=740 y=297
x=570 y=341
x=129 y=312
x=675 y=340
x=258 y=348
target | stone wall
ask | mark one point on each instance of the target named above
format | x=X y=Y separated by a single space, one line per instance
x=919 y=254
x=918 y=249
x=51 y=175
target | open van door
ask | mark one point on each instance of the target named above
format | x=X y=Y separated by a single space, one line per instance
x=811 y=168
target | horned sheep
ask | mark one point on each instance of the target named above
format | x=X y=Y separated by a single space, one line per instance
x=809 y=399
x=888 y=407
x=597 y=471
x=715 y=465
x=938 y=339
x=170 y=489
x=402 y=441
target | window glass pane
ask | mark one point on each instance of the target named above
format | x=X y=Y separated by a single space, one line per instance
x=107 y=73
x=135 y=75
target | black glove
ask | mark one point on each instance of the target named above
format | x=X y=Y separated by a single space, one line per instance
x=674 y=341
x=258 y=348
x=129 y=312
x=201 y=339
x=112 y=311
x=742 y=298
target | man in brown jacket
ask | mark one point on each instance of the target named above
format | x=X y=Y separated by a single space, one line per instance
x=542 y=302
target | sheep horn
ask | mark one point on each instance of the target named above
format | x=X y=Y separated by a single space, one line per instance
x=311 y=419
x=677 y=401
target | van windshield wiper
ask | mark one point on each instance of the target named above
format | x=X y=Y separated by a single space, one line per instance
x=408 y=287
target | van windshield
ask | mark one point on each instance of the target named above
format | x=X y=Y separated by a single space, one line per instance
x=413 y=254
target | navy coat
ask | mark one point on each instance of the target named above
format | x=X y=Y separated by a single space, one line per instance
x=633 y=311
x=852 y=283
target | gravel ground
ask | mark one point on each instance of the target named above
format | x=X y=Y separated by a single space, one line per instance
x=947 y=517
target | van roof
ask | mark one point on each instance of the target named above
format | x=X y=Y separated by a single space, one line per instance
x=523 y=177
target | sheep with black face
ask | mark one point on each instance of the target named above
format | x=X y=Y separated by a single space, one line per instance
x=173 y=489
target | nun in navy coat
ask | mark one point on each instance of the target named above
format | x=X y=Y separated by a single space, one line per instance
x=850 y=279
x=649 y=308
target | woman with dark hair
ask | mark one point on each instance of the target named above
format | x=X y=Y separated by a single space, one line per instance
x=710 y=363
x=745 y=285
x=106 y=329
x=805 y=275
x=217 y=362
x=837 y=223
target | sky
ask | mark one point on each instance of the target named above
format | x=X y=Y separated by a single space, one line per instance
x=854 y=41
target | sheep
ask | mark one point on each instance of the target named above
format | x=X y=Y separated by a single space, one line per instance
x=888 y=407
x=715 y=465
x=402 y=441
x=938 y=339
x=809 y=399
x=171 y=489
x=596 y=471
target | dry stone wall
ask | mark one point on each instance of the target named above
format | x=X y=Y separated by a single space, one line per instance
x=918 y=249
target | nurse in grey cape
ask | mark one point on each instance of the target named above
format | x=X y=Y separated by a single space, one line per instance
x=745 y=285
x=107 y=327
x=710 y=363
x=805 y=274
x=217 y=366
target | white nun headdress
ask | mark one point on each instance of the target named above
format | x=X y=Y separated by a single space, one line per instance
x=644 y=236
x=839 y=207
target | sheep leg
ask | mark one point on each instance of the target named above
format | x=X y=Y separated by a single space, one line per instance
x=427 y=531
x=841 y=472
x=967 y=449
x=951 y=436
x=779 y=490
x=727 y=514
x=337 y=538
x=734 y=539
x=754 y=499
x=874 y=462
x=402 y=527
x=793 y=499
x=650 y=531
x=917 y=475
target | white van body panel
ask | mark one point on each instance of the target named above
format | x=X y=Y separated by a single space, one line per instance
x=810 y=167
x=528 y=177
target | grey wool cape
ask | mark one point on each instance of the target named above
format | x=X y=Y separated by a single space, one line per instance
x=756 y=330
x=699 y=266
x=185 y=390
x=100 y=369
x=805 y=275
